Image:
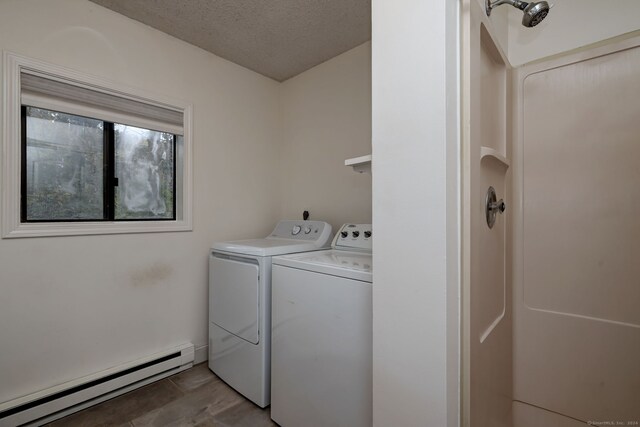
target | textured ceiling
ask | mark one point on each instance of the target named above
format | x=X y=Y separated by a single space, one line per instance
x=276 y=38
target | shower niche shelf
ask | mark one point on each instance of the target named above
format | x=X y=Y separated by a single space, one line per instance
x=360 y=164
x=492 y=153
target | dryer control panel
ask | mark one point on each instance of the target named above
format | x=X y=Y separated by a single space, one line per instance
x=354 y=237
x=302 y=230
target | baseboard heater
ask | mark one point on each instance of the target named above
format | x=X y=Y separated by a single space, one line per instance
x=64 y=399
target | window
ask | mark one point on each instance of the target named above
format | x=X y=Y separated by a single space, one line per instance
x=81 y=169
x=90 y=157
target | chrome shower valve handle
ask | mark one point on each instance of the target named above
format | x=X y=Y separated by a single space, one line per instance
x=498 y=206
x=493 y=206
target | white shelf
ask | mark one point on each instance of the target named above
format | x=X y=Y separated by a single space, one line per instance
x=360 y=164
x=487 y=152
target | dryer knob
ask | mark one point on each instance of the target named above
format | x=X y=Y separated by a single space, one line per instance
x=355 y=233
x=295 y=230
x=344 y=234
x=307 y=230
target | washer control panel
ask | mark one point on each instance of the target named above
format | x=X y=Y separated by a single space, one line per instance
x=354 y=237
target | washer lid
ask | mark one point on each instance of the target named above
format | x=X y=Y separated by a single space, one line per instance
x=265 y=247
x=349 y=264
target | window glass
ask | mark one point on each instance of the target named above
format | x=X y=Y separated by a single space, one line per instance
x=145 y=171
x=64 y=166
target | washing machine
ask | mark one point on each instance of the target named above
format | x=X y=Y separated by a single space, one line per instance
x=240 y=303
x=321 y=340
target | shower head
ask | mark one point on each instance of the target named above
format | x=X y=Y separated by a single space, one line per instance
x=534 y=12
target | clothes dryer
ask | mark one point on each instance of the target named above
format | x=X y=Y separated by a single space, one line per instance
x=240 y=303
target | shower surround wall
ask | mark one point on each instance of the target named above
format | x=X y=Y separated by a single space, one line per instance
x=576 y=203
x=487 y=321
x=570 y=24
x=572 y=231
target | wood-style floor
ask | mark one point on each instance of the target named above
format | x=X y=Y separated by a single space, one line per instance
x=195 y=397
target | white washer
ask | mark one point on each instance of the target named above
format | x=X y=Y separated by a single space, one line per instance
x=321 y=363
x=240 y=303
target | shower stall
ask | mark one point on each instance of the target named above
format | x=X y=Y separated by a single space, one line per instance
x=576 y=235
x=551 y=318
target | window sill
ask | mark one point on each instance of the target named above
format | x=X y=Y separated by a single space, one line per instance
x=95 y=228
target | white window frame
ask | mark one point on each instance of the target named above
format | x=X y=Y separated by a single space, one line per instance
x=12 y=227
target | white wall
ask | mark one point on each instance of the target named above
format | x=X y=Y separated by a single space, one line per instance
x=327 y=119
x=415 y=213
x=75 y=305
x=570 y=24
